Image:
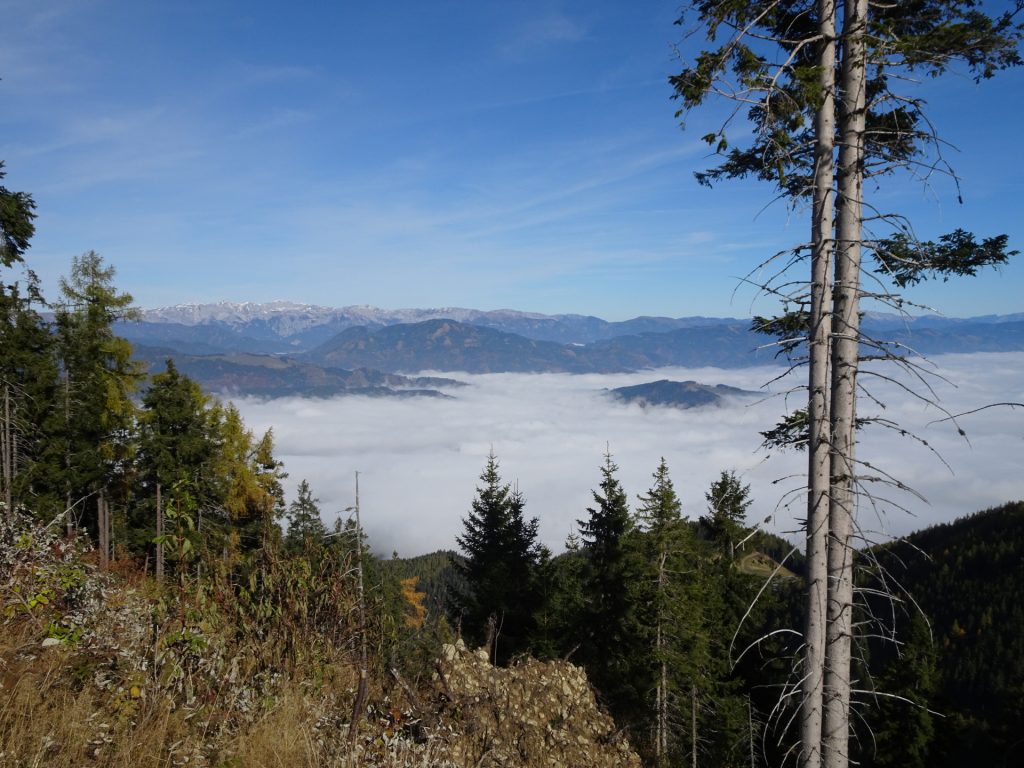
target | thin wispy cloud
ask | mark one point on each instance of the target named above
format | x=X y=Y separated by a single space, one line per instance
x=551 y=28
x=510 y=153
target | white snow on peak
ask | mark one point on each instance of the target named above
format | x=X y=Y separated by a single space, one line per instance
x=288 y=317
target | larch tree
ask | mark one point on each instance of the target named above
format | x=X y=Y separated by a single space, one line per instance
x=818 y=88
x=247 y=489
x=99 y=380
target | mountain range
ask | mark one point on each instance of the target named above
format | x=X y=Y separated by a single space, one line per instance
x=304 y=326
x=285 y=348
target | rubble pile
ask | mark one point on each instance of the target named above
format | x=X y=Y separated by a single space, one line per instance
x=530 y=714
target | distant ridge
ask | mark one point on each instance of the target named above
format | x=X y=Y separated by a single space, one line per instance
x=505 y=340
x=678 y=394
x=273 y=376
x=306 y=325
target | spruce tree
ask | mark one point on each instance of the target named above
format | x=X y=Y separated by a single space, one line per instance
x=501 y=565
x=177 y=445
x=28 y=382
x=610 y=642
x=668 y=565
x=728 y=500
x=902 y=728
x=27 y=369
x=305 y=527
x=17 y=212
x=560 y=613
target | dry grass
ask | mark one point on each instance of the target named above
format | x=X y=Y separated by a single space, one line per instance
x=48 y=719
x=282 y=738
x=113 y=671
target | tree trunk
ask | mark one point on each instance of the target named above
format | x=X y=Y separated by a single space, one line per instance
x=7 y=454
x=103 y=532
x=818 y=396
x=159 y=567
x=663 y=710
x=14 y=457
x=693 y=725
x=359 y=705
x=750 y=724
x=845 y=360
x=661 y=748
x=67 y=454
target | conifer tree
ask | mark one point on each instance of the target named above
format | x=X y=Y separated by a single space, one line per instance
x=28 y=379
x=902 y=728
x=502 y=559
x=669 y=561
x=99 y=382
x=248 y=483
x=27 y=372
x=17 y=212
x=177 y=445
x=560 y=613
x=685 y=595
x=728 y=500
x=610 y=641
x=305 y=527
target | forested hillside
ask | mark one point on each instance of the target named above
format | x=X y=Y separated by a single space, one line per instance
x=964 y=656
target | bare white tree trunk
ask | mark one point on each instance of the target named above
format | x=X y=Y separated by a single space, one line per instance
x=845 y=360
x=818 y=396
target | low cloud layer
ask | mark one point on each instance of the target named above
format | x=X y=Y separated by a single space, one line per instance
x=420 y=459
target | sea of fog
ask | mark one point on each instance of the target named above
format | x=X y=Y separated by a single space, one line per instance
x=420 y=459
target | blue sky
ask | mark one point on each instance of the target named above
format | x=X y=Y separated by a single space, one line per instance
x=483 y=154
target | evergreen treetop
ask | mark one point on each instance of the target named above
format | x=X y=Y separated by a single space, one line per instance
x=305 y=527
x=660 y=508
x=728 y=500
x=501 y=561
x=17 y=211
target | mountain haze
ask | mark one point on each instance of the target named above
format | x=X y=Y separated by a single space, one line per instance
x=448 y=345
x=277 y=376
x=223 y=345
x=304 y=326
